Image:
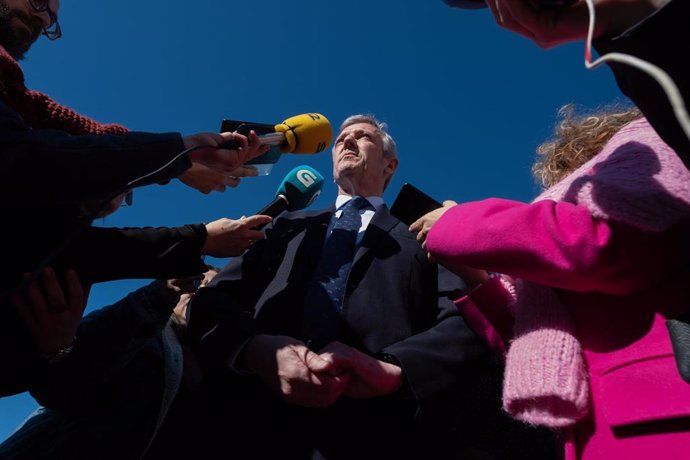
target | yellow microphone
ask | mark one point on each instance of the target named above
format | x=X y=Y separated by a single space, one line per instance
x=307 y=133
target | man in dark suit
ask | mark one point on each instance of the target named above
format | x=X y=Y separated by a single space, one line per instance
x=335 y=334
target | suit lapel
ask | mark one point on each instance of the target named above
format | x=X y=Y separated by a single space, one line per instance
x=381 y=224
x=294 y=244
x=309 y=230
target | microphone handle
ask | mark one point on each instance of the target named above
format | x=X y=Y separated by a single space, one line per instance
x=275 y=207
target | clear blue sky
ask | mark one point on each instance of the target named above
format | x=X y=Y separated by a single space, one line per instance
x=466 y=102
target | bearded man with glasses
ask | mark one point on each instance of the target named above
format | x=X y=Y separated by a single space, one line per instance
x=22 y=22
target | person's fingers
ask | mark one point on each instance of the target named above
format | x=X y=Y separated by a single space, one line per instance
x=253 y=139
x=255 y=143
x=37 y=306
x=54 y=293
x=417 y=225
x=339 y=357
x=255 y=235
x=233 y=157
x=26 y=310
x=255 y=147
x=76 y=299
x=253 y=221
x=318 y=364
x=447 y=203
x=244 y=171
x=226 y=136
x=231 y=181
x=243 y=140
x=37 y=301
x=211 y=139
x=421 y=236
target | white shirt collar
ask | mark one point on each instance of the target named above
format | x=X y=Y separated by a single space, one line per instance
x=375 y=201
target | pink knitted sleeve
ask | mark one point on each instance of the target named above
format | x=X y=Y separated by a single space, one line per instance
x=555 y=244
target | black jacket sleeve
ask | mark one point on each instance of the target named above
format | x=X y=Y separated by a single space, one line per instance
x=54 y=166
x=438 y=359
x=107 y=341
x=221 y=317
x=660 y=39
x=105 y=254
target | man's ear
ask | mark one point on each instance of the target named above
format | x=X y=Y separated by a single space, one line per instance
x=391 y=166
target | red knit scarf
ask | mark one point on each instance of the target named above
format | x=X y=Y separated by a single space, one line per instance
x=38 y=110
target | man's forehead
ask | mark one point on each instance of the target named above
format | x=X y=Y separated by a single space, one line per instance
x=363 y=126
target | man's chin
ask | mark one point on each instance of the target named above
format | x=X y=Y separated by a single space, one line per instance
x=349 y=164
x=17 y=40
x=346 y=170
x=17 y=54
x=15 y=48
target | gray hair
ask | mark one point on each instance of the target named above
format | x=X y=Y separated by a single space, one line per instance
x=390 y=150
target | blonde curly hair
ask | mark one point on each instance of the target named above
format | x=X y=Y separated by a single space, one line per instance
x=577 y=139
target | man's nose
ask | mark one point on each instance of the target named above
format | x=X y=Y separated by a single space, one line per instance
x=350 y=140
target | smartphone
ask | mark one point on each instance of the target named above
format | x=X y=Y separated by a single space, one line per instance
x=411 y=204
x=264 y=163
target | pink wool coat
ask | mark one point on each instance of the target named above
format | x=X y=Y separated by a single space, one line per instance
x=612 y=240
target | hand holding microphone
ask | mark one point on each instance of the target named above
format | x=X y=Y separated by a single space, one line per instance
x=217 y=158
x=227 y=237
x=224 y=152
x=207 y=180
x=308 y=133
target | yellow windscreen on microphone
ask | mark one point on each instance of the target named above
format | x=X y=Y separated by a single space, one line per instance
x=306 y=133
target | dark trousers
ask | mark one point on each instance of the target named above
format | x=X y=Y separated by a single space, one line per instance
x=240 y=418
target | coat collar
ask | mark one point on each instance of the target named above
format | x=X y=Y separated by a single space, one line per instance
x=381 y=224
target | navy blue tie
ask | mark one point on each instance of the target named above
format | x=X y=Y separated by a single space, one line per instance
x=324 y=300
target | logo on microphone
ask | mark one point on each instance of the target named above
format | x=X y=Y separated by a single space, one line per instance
x=306 y=177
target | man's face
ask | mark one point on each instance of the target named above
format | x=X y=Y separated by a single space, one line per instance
x=21 y=25
x=359 y=167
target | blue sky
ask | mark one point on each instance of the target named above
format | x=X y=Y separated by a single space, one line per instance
x=466 y=101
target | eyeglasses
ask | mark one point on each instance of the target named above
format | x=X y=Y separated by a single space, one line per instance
x=52 y=31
